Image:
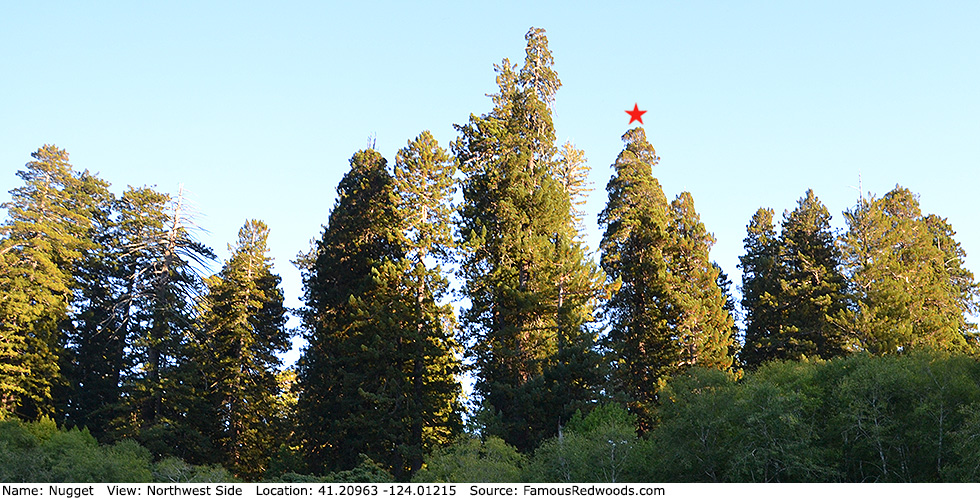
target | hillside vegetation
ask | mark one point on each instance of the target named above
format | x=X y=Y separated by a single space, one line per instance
x=849 y=356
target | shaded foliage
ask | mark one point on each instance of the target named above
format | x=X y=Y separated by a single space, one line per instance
x=42 y=452
x=530 y=286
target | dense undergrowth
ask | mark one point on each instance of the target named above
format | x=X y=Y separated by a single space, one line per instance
x=908 y=418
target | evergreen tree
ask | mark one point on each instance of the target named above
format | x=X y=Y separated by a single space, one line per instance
x=348 y=380
x=634 y=254
x=244 y=324
x=160 y=264
x=424 y=182
x=909 y=287
x=531 y=290
x=48 y=229
x=379 y=376
x=793 y=286
x=725 y=284
x=95 y=358
x=572 y=172
x=669 y=311
x=702 y=326
x=760 y=289
x=812 y=285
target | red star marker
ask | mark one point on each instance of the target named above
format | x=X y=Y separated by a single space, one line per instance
x=636 y=114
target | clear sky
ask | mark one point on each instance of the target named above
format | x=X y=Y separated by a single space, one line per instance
x=256 y=108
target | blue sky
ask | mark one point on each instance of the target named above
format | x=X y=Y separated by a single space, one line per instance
x=256 y=108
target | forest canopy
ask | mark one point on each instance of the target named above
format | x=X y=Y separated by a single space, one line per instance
x=843 y=351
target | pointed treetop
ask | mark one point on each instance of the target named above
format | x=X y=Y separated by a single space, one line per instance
x=424 y=179
x=636 y=143
x=761 y=221
x=537 y=72
x=572 y=172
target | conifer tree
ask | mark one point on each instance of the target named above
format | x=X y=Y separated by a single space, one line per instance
x=701 y=324
x=531 y=289
x=354 y=375
x=909 y=287
x=160 y=264
x=812 y=285
x=793 y=286
x=572 y=174
x=424 y=182
x=760 y=289
x=725 y=284
x=244 y=329
x=634 y=254
x=669 y=311
x=95 y=358
x=48 y=229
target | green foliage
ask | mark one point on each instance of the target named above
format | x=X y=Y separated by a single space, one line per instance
x=530 y=286
x=601 y=447
x=701 y=325
x=163 y=267
x=777 y=413
x=286 y=460
x=342 y=370
x=378 y=376
x=40 y=452
x=473 y=460
x=244 y=324
x=131 y=342
x=367 y=471
x=908 y=418
x=424 y=181
x=897 y=416
x=760 y=288
x=46 y=233
x=108 y=327
x=694 y=437
x=668 y=312
x=172 y=469
x=633 y=246
x=965 y=442
x=909 y=287
x=792 y=286
x=812 y=284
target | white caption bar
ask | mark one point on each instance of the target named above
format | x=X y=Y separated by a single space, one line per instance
x=488 y=490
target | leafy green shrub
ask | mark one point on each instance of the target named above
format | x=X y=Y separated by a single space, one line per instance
x=172 y=469
x=601 y=447
x=367 y=471
x=898 y=418
x=694 y=441
x=777 y=427
x=472 y=460
x=41 y=452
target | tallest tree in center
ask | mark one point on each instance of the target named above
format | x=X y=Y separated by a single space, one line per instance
x=530 y=287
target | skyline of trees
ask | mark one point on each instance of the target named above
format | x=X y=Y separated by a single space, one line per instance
x=111 y=321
